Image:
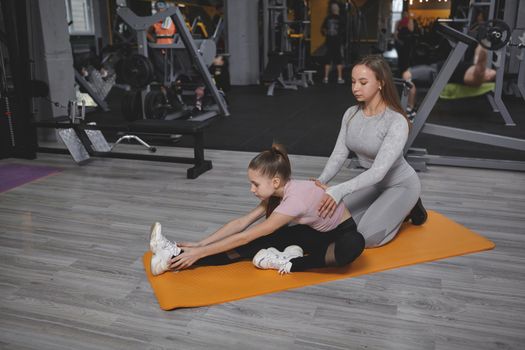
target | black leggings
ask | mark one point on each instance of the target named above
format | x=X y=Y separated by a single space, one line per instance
x=333 y=51
x=348 y=245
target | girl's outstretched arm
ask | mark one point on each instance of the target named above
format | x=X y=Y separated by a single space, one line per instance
x=234 y=226
x=190 y=255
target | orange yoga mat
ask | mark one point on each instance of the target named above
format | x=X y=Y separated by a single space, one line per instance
x=438 y=238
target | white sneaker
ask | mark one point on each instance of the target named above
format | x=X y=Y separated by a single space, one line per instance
x=293 y=251
x=160 y=261
x=271 y=258
x=154 y=237
x=325 y=80
x=163 y=250
x=340 y=81
x=158 y=242
x=290 y=252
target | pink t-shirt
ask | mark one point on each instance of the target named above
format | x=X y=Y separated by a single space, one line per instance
x=301 y=200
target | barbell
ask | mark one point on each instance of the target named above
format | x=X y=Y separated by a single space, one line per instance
x=494 y=34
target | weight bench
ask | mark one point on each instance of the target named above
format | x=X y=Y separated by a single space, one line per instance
x=85 y=139
x=273 y=73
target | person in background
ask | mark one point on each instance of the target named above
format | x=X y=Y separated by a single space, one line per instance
x=333 y=29
x=161 y=32
x=404 y=40
x=470 y=72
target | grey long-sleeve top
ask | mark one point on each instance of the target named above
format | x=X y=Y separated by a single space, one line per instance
x=378 y=142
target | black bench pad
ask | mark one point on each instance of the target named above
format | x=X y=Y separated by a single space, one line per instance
x=193 y=128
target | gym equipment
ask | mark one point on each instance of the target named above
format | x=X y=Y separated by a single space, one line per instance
x=279 y=54
x=137 y=70
x=405 y=88
x=177 y=53
x=17 y=136
x=200 y=52
x=92 y=91
x=495 y=98
x=85 y=140
x=494 y=34
x=520 y=81
x=69 y=137
x=356 y=29
x=418 y=157
x=273 y=74
x=4 y=92
x=131 y=137
x=453 y=91
x=199 y=24
x=514 y=66
x=155 y=105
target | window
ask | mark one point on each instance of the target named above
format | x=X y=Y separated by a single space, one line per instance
x=80 y=15
x=397 y=9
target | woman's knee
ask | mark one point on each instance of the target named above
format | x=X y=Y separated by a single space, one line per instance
x=380 y=238
x=348 y=248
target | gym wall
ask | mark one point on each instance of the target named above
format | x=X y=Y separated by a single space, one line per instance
x=243 y=41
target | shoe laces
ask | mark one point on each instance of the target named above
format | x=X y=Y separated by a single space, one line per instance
x=168 y=245
x=272 y=259
x=279 y=262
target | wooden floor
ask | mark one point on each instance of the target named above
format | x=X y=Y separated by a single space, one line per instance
x=71 y=274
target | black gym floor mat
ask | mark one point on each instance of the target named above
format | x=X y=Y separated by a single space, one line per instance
x=307 y=122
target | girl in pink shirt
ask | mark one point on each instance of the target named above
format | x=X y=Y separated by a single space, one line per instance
x=272 y=243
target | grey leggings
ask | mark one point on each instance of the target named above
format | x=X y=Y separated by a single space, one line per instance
x=380 y=210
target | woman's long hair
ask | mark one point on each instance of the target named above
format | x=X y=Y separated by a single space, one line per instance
x=388 y=90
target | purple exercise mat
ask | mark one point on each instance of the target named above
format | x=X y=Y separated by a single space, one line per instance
x=14 y=175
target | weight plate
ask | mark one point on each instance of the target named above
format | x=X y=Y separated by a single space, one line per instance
x=494 y=34
x=155 y=105
x=137 y=71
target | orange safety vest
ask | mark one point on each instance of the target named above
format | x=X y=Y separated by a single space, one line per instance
x=163 y=35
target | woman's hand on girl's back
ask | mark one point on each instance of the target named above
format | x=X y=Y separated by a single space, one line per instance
x=327 y=205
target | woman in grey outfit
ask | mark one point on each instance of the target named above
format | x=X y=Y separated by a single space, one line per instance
x=376 y=130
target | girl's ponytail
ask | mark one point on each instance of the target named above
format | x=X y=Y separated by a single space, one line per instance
x=273 y=162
